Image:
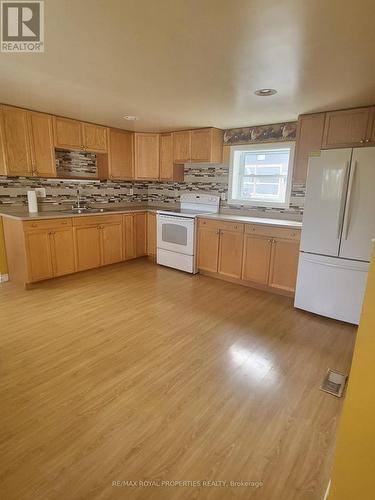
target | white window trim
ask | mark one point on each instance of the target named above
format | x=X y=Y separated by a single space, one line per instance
x=252 y=147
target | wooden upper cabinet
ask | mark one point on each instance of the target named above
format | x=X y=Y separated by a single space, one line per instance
x=16 y=141
x=207 y=145
x=42 y=144
x=68 y=133
x=146 y=156
x=121 y=154
x=166 y=157
x=230 y=251
x=182 y=146
x=347 y=128
x=284 y=264
x=95 y=137
x=256 y=259
x=309 y=139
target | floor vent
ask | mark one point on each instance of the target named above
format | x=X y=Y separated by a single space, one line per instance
x=334 y=383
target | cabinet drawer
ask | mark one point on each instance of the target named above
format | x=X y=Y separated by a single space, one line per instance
x=46 y=224
x=217 y=224
x=94 y=220
x=272 y=231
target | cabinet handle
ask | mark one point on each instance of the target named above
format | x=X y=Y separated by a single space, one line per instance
x=362 y=141
x=367 y=140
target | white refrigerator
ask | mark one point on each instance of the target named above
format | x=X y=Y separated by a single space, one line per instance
x=337 y=233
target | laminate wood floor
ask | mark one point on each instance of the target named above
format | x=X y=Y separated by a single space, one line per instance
x=136 y=372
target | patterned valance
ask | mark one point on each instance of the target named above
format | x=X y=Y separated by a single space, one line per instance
x=261 y=133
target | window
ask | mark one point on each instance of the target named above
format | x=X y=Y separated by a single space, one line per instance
x=261 y=174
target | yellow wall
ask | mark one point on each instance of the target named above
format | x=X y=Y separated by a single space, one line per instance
x=3 y=261
x=353 y=472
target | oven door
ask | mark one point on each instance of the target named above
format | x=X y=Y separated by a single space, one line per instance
x=176 y=234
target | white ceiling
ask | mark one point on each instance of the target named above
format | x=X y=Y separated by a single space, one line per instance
x=190 y=63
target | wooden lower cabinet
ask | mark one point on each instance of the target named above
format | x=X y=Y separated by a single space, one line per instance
x=87 y=247
x=284 y=264
x=38 y=248
x=63 y=258
x=140 y=234
x=98 y=241
x=255 y=255
x=49 y=251
x=151 y=234
x=230 y=252
x=112 y=242
x=256 y=259
x=129 y=236
x=208 y=246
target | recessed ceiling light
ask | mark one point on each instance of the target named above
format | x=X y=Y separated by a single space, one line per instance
x=130 y=118
x=265 y=92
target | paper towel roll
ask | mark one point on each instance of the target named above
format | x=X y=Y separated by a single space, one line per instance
x=31 y=200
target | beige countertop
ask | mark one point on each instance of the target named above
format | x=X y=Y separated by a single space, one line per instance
x=254 y=220
x=22 y=214
x=60 y=214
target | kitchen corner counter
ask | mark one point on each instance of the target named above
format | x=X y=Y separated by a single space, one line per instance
x=291 y=224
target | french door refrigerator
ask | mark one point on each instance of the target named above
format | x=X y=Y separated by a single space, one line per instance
x=337 y=233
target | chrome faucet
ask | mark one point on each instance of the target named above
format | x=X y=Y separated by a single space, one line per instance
x=77 y=205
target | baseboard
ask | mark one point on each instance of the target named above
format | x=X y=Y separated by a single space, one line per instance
x=327 y=490
x=4 y=278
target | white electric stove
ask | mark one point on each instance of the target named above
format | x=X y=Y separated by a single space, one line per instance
x=176 y=230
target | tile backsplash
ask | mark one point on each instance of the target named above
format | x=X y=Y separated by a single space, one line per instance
x=198 y=177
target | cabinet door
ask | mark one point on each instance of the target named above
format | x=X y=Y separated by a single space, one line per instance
x=16 y=141
x=112 y=241
x=230 y=253
x=95 y=137
x=309 y=139
x=129 y=236
x=87 y=247
x=68 y=133
x=147 y=156
x=201 y=145
x=42 y=145
x=166 y=157
x=151 y=233
x=39 y=260
x=284 y=264
x=121 y=154
x=256 y=259
x=62 y=244
x=182 y=146
x=140 y=224
x=346 y=128
x=208 y=249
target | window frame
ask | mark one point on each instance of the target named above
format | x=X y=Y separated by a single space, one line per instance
x=262 y=147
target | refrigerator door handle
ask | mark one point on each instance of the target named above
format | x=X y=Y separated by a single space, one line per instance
x=348 y=207
x=340 y=219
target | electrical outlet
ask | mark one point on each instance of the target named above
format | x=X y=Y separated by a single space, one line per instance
x=222 y=196
x=40 y=192
x=131 y=191
x=176 y=193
